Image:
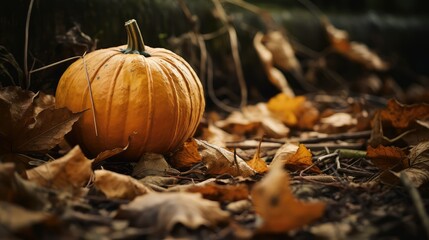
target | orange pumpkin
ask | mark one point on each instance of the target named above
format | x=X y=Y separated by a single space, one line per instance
x=149 y=93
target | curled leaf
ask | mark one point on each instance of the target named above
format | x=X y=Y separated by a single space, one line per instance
x=69 y=173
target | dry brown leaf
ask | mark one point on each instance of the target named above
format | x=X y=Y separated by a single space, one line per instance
x=49 y=129
x=354 y=51
x=187 y=156
x=115 y=185
x=267 y=58
x=162 y=211
x=402 y=116
x=29 y=123
x=216 y=136
x=283 y=153
x=256 y=119
x=279 y=209
x=68 y=173
x=282 y=51
x=419 y=154
x=221 y=161
x=153 y=164
x=337 y=123
x=257 y=163
x=387 y=158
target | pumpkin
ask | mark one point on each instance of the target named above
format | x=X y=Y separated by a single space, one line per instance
x=150 y=94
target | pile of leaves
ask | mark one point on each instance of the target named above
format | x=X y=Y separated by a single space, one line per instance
x=288 y=167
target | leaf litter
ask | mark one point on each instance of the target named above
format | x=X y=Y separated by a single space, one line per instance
x=241 y=185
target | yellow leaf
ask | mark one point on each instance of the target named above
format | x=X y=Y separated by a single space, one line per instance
x=293 y=111
x=301 y=160
x=257 y=163
x=279 y=209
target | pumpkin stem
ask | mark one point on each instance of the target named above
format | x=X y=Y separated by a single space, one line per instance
x=135 y=40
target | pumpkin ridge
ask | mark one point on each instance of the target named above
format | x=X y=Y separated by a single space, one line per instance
x=110 y=97
x=177 y=108
x=192 y=120
x=150 y=111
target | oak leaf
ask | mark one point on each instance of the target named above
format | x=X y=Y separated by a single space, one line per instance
x=277 y=206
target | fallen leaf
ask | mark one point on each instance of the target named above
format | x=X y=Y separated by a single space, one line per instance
x=153 y=164
x=221 y=161
x=29 y=122
x=417 y=174
x=419 y=154
x=160 y=212
x=187 y=156
x=49 y=129
x=300 y=160
x=68 y=173
x=387 y=158
x=257 y=163
x=337 y=123
x=275 y=76
x=293 y=111
x=118 y=186
x=354 y=51
x=256 y=119
x=216 y=136
x=285 y=152
x=279 y=209
x=402 y=116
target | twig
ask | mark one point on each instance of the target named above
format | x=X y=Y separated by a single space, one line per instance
x=356 y=173
x=234 y=49
x=90 y=95
x=320 y=159
x=27 y=30
x=417 y=201
x=54 y=64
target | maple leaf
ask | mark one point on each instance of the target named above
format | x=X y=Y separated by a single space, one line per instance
x=162 y=211
x=279 y=209
x=119 y=186
x=68 y=173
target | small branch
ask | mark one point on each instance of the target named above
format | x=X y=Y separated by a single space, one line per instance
x=27 y=30
x=90 y=95
x=234 y=49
